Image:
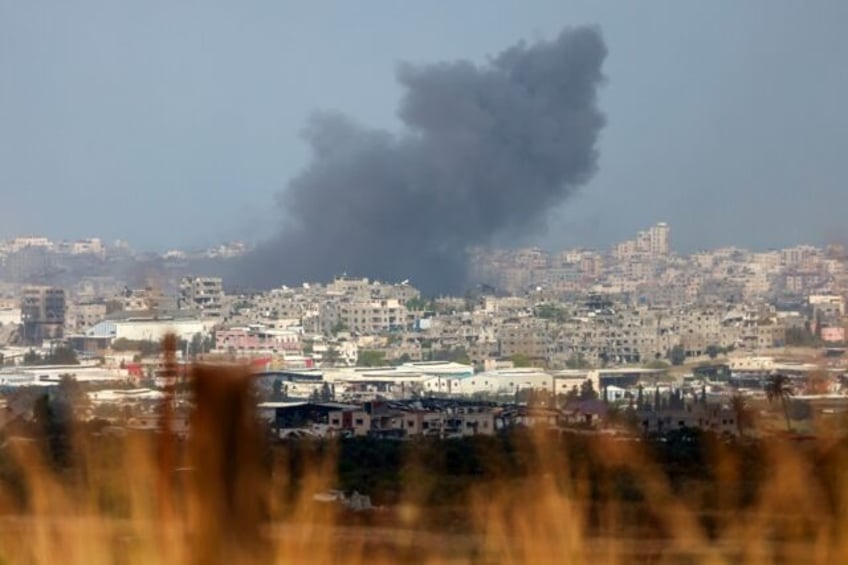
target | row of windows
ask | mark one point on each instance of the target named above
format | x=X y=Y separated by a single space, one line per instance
x=701 y=422
x=425 y=425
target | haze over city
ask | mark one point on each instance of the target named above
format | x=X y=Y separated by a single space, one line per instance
x=724 y=119
x=380 y=282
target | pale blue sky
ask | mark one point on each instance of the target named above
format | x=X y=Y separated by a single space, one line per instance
x=172 y=123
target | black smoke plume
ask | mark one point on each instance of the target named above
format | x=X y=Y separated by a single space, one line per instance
x=487 y=150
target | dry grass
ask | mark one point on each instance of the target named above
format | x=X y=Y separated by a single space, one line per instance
x=220 y=497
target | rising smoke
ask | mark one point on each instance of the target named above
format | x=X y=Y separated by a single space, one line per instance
x=487 y=150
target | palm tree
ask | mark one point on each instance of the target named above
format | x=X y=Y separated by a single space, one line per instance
x=778 y=387
x=739 y=405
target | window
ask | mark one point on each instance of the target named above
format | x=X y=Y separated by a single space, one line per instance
x=359 y=421
x=410 y=423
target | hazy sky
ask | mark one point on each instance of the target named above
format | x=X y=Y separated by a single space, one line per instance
x=175 y=123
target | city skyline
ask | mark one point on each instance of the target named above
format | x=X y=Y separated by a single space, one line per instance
x=381 y=282
x=647 y=234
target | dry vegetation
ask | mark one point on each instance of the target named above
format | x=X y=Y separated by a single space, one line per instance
x=224 y=496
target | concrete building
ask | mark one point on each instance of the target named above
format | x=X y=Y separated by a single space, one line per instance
x=653 y=242
x=10 y=312
x=204 y=294
x=28 y=264
x=254 y=339
x=81 y=316
x=20 y=243
x=716 y=418
x=42 y=313
x=91 y=246
x=372 y=316
x=658 y=239
x=150 y=328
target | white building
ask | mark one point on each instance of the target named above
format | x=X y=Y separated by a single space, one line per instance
x=9 y=314
x=150 y=328
x=91 y=246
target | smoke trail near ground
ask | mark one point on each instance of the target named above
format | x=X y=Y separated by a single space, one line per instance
x=487 y=150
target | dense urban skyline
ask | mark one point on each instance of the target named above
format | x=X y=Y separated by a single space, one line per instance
x=468 y=282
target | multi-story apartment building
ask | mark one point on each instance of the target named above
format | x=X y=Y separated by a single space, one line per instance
x=20 y=243
x=82 y=316
x=10 y=311
x=204 y=294
x=372 y=316
x=42 y=313
x=529 y=336
x=653 y=242
x=91 y=246
x=658 y=239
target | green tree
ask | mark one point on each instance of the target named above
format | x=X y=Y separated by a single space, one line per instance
x=587 y=390
x=31 y=358
x=520 y=360
x=778 y=387
x=277 y=391
x=742 y=412
x=71 y=393
x=123 y=344
x=577 y=361
x=802 y=337
x=149 y=348
x=417 y=304
x=677 y=355
x=453 y=354
x=208 y=343
x=53 y=415
x=523 y=395
x=713 y=351
x=370 y=358
x=331 y=356
x=63 y=355
x=195 y=347
x=146 y=348
x=550 y=312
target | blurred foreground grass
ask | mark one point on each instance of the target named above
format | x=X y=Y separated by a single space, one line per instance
x=227 y=494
